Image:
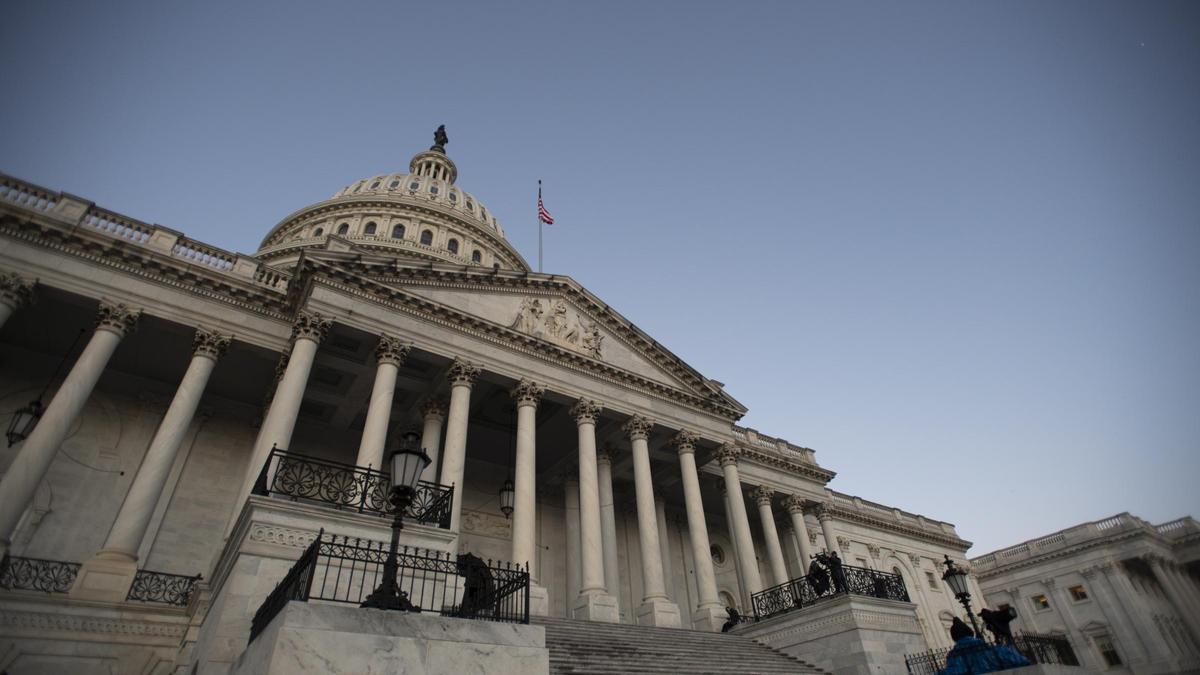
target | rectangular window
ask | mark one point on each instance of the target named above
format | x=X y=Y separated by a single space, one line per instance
x=1107 y=650
x=1040 y=602
x=1077 y=593
x=931 y=579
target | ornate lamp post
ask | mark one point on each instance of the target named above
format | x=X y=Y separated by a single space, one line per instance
x=407 y=462
x=507 y=497
x=23 y=422
x=956 y=579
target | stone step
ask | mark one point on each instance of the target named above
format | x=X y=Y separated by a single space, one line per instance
x=583 y=647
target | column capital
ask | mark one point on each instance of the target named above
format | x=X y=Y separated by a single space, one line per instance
x=915 y=560
x=637 y=428
x=762 y=495
x=1049 y=583
x=210 y=344
x=391 y=350
x=728 y=453
x=435 y=406
x=843 y=543
x=684 y=442
x=462 y=372
x=15 y=290
x=1088 y=572
x=823 y=512
x=310 y=326
x=117 y=318
x=527 y=392
x=605 y=454
x=1104 y=567
x=873 y=550
x=585 y=411
x=794 y=504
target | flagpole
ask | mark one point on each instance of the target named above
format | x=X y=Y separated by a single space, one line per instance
x=539 y=219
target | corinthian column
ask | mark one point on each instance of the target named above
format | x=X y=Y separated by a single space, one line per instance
x=727 y=455
x=762 y=496
x=795 y=508
x=709 y=614
x=526 y=396
x=434 y=414
x=389 y=354
x=462 y=376
x=594 y=603
x=108 y=575
x=15 y=293
x=28 y=468
x=657 y=609
x=825 y=518
x=608 y=522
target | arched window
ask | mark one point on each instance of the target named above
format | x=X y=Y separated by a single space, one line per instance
x=433 y=189
x=397 y=231
x=344 y=228
x=452 y=246
x=318 y=232
x=414 y=185
x=394 y=184
x=476 y=256
x=427 y=238
x=375 y=185
x=370 y=229
x=453 y=196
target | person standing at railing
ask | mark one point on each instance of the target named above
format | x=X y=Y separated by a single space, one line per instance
x=838 y=574
x=972 y=655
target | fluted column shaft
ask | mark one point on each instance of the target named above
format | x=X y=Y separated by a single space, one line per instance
x=15 y=293
x=608 y=521
x=138 y=507
x=592 y=549
x=1115 y=612
x=389 y=354
x=434 y=413
x=524 y=517
x=706 y=580
x=727 y=454
x=571 y=504
x=826 y=520
x=762 y=496
x=37 y=452
x=648 y=535
x=454 y=460
x=795 y=508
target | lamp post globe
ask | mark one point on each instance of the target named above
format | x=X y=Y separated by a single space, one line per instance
x=956 y=578
x=406 y=463
x=23 y=421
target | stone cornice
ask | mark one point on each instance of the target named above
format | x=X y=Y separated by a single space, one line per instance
x=982 y=573
x=751 y=454
x=839 y=512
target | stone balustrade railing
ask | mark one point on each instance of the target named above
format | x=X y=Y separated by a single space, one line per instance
x=1072 y=536
x=883 y=512
x=781 y=447
x=1178 y=527
x=26 y=195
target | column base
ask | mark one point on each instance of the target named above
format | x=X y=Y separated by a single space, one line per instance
x=106 y=576
x=658 y=612
x=596 y=606
x=539 y=600
x=709 y=618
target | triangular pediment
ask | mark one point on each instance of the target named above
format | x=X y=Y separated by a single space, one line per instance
x=554 y=311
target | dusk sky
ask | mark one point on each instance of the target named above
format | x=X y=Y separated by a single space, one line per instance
x=953 y=247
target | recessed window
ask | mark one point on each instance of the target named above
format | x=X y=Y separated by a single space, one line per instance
x=476 y=256
x=397 y=231
x=427 y=238
x=718 y=556
x=394 y=184
x=433 y=189
x=414 y=185
x=470 y=205
x=453 y=196
x=344 y=228
x=318 y=232
x=375 y=184
x=370 y=228
x=452 y=246
x=483 y=213
x=1077 y=593
x=1040 y=602
x=1107 y=649
x=931 y=580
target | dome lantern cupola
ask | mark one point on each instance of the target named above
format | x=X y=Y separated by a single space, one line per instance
x=433 y=163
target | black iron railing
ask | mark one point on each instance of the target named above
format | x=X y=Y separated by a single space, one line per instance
x=985 y=657
x=351 y=487
x=807 y=590
x=171 y=589
x=37 y=574
x=345 y=569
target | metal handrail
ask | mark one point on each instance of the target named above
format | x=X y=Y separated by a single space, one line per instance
x=806 y=590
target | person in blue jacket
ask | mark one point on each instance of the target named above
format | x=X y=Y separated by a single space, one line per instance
x=971 y=655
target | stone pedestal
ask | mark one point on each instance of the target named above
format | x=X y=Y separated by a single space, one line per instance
x=848 y=634
x=709 y=618
x=105 y=576
x=662 y=613
x=596 y=607
x=539 y=600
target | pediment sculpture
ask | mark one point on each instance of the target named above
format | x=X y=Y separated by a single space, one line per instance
x=553 y=322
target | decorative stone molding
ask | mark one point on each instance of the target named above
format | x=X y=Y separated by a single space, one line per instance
x=822 y=511
x=281 y=366
x=210 y=343
x=761 y=495
x=812 y=537
x=728 y=453
x=15 y=290
x=117 y=318
x=391 y=350
x=844 y=544
x=1049 y=583
x=486 y=524
x=794 y=504
x=435 y=407
x=605 y=454
x=528 y=393
x=915 y=560
x=553 y=323
x=585 y=411
x=462 y=373
x=310 y=326
x=45 y=621
x=1105 y=567
x=1088 y=572
x=873 y=550
x=283 y=536
x=637 y=428
x=684 y=442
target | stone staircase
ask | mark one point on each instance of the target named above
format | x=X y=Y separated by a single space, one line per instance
x=579 y=647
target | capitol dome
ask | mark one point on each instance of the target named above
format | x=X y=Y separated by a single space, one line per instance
x=416 y=214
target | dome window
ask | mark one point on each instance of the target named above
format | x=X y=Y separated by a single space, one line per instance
x=318 y=232
x=470 y=205
x=427 y=238
x=394 y=184
x=453 y=196
x=414 y=185
x=397 y=232
x=433 y=189
x=370 y=229
x=476 y=256
x=375 y=185
x=344 y=228
x=452 y=246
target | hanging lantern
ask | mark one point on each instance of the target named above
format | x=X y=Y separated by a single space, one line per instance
x=23 y=422
x=508 y=495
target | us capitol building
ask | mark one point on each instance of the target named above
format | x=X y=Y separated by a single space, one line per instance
x=186 y=420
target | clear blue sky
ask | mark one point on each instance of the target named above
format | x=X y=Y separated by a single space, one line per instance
x=951 y=246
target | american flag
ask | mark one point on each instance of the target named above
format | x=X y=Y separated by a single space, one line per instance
x=543 y=214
